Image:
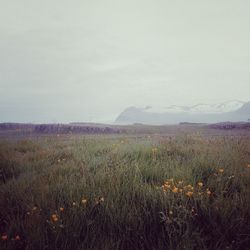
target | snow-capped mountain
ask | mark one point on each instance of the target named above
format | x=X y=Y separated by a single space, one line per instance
x=198 y=108
x=201 y=113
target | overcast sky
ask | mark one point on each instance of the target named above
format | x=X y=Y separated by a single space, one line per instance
x=80 y=60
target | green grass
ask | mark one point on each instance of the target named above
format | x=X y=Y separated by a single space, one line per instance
x=38 y=177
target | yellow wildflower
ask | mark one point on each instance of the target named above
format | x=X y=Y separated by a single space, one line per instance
x=189 y=187
x=200 y=184
x=154 y=150
x=175 y=190
x=189 y=194
x=221 y=170
x=166 y=186
x=170 y=180
x=84 y=201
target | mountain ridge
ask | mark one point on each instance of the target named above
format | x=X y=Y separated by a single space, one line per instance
x=238 y=112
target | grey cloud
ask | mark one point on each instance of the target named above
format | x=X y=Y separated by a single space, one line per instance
x=82 y=60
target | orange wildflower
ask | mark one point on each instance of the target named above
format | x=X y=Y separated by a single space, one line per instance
x=189 y=194
x=55 y=217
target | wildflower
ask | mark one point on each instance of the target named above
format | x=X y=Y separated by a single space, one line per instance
x=208 y=192
x=171 y=212
x=61 y=209
x=175 y=190
x=101 y=199
x=84 y=201
x=4 y=237
x=200 y=184
x=180 y=182
x=34 y=208
x=221 y=170
x=170 y=180
x=154 y=150
x=166 y=186
x=74 y=204
x=248 y=165
x=17 y=237
x=180 y=190
x=189 y=187
x=189 y=194
x=54 y=217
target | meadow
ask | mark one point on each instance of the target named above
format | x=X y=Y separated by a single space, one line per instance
x=186 y=191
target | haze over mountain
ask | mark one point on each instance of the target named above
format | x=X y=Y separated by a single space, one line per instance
x=233 y=111
x=68 y=61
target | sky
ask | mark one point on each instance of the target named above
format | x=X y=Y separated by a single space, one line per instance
x=86 y=61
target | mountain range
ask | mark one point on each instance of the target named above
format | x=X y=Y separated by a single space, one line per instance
x=233 y=111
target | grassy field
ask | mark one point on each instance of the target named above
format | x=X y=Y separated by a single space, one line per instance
x=125 y=192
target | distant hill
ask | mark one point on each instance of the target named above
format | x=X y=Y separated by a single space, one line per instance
x=84 y=128
x=232 y=111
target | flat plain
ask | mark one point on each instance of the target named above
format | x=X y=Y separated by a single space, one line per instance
x=173 y=187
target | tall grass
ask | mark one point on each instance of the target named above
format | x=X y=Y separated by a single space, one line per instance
x=107 y=192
